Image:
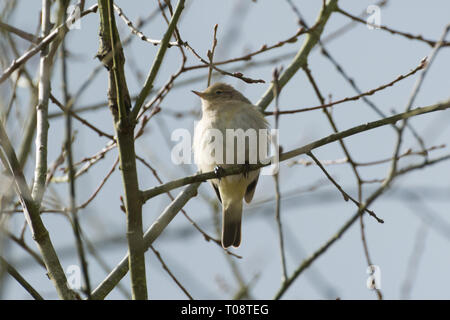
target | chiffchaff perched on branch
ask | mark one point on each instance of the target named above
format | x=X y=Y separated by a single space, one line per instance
x=231 y=131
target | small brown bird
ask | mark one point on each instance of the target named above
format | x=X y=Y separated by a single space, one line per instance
x=226 y=110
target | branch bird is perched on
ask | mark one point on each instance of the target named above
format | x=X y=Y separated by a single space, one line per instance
x=225 y=108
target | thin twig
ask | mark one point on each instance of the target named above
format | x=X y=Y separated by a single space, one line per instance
x=158 y=255
x=71 y=170
x=319 y=252
x=21 y=280
x=16 y=63
x=237 y=75
x=158 y=60
x=211 y=54
x=359 y=96
x=249 y=56
x=276 y=176
x=410 y=36
x=346 y=151
x=102 y=183
x=411 y=100
x=76 y=116
x=344 y=194
x=23 y=34
x=302 y=55
x=138 y=33
x=407 y=153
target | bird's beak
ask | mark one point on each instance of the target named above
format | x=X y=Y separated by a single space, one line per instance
x=200 y=94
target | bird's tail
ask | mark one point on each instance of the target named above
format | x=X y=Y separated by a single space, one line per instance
x=231 y=224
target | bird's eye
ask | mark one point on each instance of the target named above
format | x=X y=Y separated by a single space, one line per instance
x=219 y=92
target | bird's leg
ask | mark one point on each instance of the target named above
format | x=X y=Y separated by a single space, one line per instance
x=218 y=170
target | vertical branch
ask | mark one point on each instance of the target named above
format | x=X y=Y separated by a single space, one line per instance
x=33 y=218
x=68 y=147
x=158 y=59
x=211 y=54
x=40 y=172
x=276 y=176
x=124 y=124
x=30 y=127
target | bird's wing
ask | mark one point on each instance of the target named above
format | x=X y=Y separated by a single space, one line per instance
x=216 y=189
x=251 y=190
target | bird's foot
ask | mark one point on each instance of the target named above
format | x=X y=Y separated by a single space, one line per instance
x=218 y=170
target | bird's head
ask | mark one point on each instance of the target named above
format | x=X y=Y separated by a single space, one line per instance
x=221 y=92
